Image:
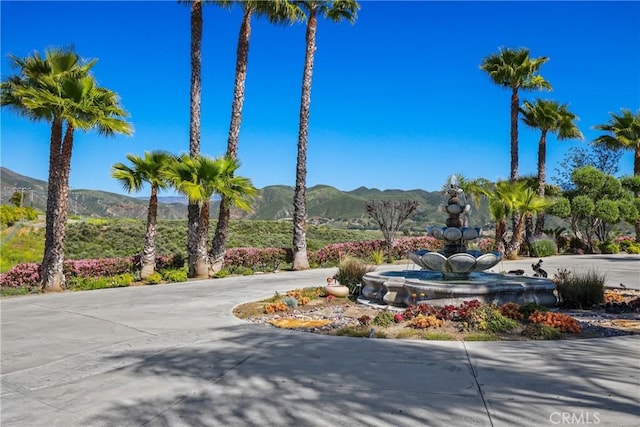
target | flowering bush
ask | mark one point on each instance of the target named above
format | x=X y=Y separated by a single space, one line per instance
x=254 y=258
x=25 y=274
x=334 y=253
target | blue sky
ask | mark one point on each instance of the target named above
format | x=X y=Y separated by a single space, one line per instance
x=398 y=99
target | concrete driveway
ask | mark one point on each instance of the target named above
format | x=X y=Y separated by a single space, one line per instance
x=173 y=355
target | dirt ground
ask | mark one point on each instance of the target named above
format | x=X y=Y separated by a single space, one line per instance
x=340 y=316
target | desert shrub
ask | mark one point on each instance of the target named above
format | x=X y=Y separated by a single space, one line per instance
x=628 y=244
x=489 y=318
x=12 y=214
x=154 y=278
x=543 y=247
x=174 y=275
x=560 y=321
x=538 y=331
x=581 y=290
x=291 y=302
x=608 y=247
x=350 y=272
x=383 y=318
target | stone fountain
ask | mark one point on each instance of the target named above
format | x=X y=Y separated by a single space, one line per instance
x=454 y=274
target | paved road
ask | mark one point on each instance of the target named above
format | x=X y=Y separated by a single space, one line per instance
x=173 y=355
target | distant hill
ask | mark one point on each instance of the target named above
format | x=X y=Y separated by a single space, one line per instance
x=325 y=204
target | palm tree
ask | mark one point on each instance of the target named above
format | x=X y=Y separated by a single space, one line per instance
x=59 y=89
x=548 y=116
x=624 y=134
x=149 y=169
x=193 y=211
x=199 y=179
x=336 y=11
x=277 y=12
x=507 y=198
x=515 y=70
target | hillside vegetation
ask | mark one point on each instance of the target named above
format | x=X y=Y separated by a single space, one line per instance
x=325 y=204
x=107 y=238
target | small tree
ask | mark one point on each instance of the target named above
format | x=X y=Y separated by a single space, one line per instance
x=390 y=215
x=597 y=203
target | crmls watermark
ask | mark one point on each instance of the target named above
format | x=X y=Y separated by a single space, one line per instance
x=575 y=418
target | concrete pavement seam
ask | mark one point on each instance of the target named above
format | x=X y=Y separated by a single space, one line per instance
x=475 y=378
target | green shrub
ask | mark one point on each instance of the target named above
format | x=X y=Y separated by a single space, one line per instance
x=174 y=275
x=633 y=248
x=543 y=247
x=83 y=283
x=377 y=256
x=221 y=274
x=609 y=247
x=154 y=278
x=527 y=309
x=350 y=272
x=489 y=318
x=383 y=318
x=354 y=331
x=581 y=290
x=541 y=332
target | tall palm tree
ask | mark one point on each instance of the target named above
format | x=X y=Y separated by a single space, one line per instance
x=199 y=179
x=515 y=70
x=277 y=12
x=148 y=169
x=336 y=11
x=195 y=94
x=59 y=88
x=623 y=133
x=549 y=117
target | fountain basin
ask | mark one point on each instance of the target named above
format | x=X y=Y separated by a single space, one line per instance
x=403 y=288
x=456 y=265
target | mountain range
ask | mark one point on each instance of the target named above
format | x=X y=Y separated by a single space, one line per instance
x=325 y=204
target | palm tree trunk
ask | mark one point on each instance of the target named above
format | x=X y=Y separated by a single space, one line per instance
x=50 y=280
x=202 y=258
x=148 y=258
x=542 y=178
x=193 y=210
x=513 y=248
x=216 y=254
x=300 y=259
x=636 y=172
x=515 y=104
x=53 y=263
x=501 y=229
